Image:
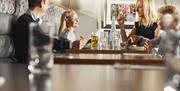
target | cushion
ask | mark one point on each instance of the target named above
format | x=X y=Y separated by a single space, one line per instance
x=6 y=46
x=5 y=23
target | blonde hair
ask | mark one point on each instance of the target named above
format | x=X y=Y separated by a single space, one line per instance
x=66 y=15
x=149 y=15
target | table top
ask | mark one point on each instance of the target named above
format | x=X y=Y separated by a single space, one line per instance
x=126 y=58
x=16 y=77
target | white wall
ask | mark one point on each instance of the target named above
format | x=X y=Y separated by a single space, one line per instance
x=89 y=13
x=87 y=25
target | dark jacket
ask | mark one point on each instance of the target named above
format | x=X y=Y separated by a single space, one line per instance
x=20 y=37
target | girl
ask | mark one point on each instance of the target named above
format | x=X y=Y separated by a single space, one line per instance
x=69 y=22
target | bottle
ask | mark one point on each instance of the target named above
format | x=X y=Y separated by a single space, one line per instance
x=111 y=33
x=114 y=36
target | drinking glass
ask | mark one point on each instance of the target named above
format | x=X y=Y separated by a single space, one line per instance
x=102 y=41
x=40 y=48
x=106 y=36
x=172 y=57
x=40 y=82
x=117 y=40
x=94 y=41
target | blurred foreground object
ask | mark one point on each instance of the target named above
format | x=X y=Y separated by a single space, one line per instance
x=41 y=43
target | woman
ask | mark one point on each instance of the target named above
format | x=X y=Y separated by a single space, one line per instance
x=69 y=22
x=145 y=26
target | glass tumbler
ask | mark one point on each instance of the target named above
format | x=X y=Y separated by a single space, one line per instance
x=40 y=48
x=94 y=41
x=172 y=57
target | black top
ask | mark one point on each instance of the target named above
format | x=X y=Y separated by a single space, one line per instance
x=147 y=32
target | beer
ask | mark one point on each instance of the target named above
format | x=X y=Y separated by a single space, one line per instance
x=94 y=41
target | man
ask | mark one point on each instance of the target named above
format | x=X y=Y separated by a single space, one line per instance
x=20 y=34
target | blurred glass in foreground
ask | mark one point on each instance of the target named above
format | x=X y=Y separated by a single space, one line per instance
x=40 y=43
x=40 y=82
x=172 y=54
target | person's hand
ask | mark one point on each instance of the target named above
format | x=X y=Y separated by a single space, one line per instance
x=78 y=44
x=148 y=45
x=121 y=19
x=132 y=40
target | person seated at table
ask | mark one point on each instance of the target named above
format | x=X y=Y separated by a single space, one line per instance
x=20 y=33
x=146 y=25
x=168 y=20
x=69 y=22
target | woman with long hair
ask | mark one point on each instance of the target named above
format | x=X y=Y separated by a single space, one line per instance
x=69 y=22
x=146 y=25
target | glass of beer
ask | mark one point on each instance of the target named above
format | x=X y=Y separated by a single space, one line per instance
x=94 y=41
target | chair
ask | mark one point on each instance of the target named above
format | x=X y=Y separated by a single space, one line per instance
x=60 y=45
x=6 y=44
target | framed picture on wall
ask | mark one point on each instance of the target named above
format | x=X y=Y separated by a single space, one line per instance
x=113 y=7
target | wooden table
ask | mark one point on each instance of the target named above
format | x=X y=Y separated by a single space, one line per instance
x=82 y=78
x=105 y=51
x=126 y=58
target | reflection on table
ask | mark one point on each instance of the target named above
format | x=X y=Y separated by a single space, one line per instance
x=83 y=78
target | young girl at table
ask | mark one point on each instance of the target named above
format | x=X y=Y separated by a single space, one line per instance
x=168 y=20
x=69 y=22
x=146 y=25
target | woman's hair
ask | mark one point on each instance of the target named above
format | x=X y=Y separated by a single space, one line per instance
x=169 y=9
x=66 y=15
x=149 y=15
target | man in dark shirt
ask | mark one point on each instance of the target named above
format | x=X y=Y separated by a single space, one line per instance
x=20 y=34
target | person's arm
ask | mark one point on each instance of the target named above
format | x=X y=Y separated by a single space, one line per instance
x=120 y=20
x=78 y=44
x=150 y=44
x=124 y=35
x=132 y=33
x=156 y=41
